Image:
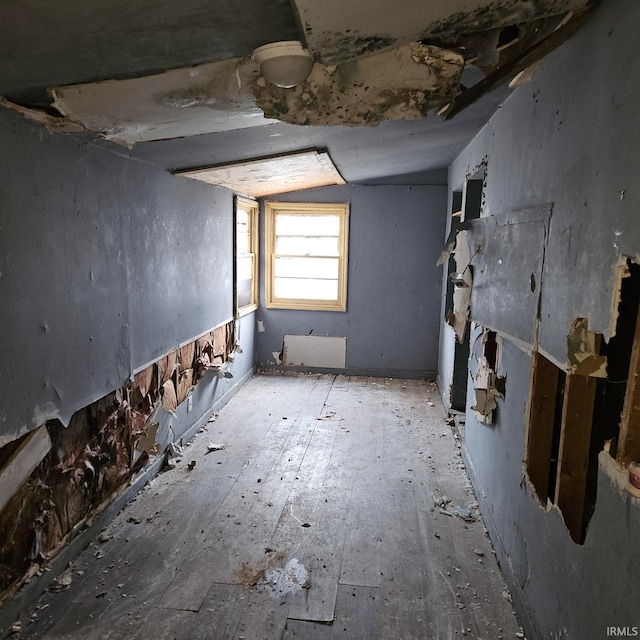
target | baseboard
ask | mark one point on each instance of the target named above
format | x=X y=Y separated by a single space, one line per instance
x=87 y=530
x=217 y=405
x=404 y=374
x=80 y=537
x=443 y=396
x=525 y=616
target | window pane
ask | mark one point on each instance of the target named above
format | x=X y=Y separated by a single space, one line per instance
x=245 y=267
x=301 y=246
x=245 y=259
x=245 y=298
x=325 y=268
x=306 y=289
x=242 y=244
x=301 y=225
x=242 y=216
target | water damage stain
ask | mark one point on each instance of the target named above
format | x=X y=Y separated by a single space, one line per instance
x=339 y=47
x=496 y=14
x=273 y=578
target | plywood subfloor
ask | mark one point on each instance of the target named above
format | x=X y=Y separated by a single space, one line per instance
x=332 y=512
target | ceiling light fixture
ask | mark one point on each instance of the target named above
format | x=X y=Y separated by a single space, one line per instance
x=285 y=64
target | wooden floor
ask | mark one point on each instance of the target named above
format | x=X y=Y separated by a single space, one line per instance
x=335 y=510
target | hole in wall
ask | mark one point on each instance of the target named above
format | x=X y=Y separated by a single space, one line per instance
x=488 y=386
x=473 y=200
x=555 y=435
x=558 y=440
x=572 y=418
x=508 y=35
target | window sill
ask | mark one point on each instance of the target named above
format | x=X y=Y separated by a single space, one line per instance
x=245 y=311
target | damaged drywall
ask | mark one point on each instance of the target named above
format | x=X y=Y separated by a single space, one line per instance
x=56 y=477
x=181 y=369
x=519 y=63
x=487 y=384
x=102 y=247
x=459 y=317
x=508 y=271
x=87 y=463
x=539 y=153
x=583 y=351
x=60 y=123
x=28 y=454
x=401 y=84
x=486 y=392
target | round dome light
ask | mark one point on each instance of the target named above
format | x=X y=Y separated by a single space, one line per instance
x=285 y=64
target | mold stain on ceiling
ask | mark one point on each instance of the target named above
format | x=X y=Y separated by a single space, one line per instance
x=400 y=84
x=375 y=61
x=340 y=31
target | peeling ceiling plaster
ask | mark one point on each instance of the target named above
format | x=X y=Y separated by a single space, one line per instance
x=207 y=98
x=401 y=84
x=177 y=81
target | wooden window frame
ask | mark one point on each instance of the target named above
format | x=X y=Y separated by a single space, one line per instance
x=251 y=206
x=272 y=209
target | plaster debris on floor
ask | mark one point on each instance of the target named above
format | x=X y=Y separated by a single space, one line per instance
x=354 y=512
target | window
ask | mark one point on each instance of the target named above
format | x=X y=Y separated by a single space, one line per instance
x=246 y=255
x=306 y=256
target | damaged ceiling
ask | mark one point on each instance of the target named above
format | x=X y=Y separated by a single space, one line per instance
x=176 y=84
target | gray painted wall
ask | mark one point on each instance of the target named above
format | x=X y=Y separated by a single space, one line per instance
x=106 y=263
x=392 y=318
x=569 y=137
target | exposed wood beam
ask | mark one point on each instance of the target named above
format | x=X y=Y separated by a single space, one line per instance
x=541 y=420
x=573 y=456
x=629 y=438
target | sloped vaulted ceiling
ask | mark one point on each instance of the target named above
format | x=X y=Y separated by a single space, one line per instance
x=177 y=80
